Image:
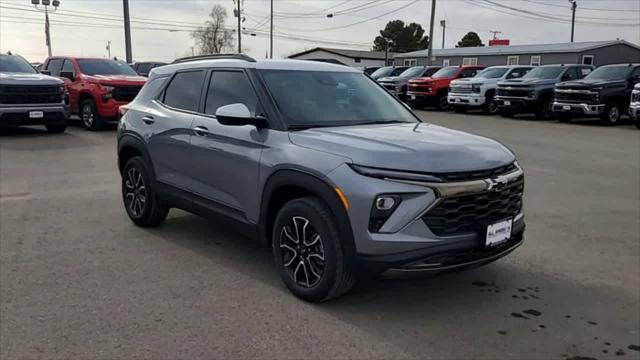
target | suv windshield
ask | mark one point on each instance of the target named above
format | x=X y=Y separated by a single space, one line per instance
x=15 y=64
x=492 y=73
x=447 y=72
x=544 y=72
x=413 y=71
x=104 y=67
x=327 y=98
x=610 y=72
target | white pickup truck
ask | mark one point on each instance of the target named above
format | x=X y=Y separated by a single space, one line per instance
x=478 y=91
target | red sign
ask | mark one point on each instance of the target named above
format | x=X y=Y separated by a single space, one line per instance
x=499 y=42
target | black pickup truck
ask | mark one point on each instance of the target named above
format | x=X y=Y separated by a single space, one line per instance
x=604 y=93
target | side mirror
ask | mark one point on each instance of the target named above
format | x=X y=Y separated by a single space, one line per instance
x=67 y=74
x=45 y=72
x=238 y=115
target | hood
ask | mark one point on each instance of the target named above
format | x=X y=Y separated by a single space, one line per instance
x=427 y=79
x=586 y=83
x=528 y=81
x=389 y=79
x=117 y=79
x=467 y=82
x=420 y=147
x=28 y=79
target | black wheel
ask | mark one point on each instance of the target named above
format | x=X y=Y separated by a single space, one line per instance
x=442 y=103
x=564 y=118
x=611 y=114
x=490 y=107
x=56 y=128
x=89 y=116
x=308 y=251
x=546 y=110
x=140 y=202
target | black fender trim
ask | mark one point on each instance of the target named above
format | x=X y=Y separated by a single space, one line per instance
x=132 y=140
x=319 y=187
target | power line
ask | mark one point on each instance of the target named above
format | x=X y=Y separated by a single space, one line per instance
x=581 y=8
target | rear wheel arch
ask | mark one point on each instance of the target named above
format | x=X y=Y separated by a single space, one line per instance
x=286 y=185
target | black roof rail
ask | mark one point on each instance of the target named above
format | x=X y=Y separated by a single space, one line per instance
x=213 y=57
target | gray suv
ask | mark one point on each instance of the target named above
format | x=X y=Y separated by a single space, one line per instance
x=319 y=162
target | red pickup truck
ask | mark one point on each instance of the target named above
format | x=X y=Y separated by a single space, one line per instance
x=428 y=91
x=97 y=87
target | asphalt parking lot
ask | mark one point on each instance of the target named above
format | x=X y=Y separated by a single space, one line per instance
x=79 y=280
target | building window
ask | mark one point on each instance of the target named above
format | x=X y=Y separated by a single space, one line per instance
x=356 y=60
x=513 y=60
x=446 y=62
x=587 y=59
x=535 y=60
x=470 y=61
x=410 y=62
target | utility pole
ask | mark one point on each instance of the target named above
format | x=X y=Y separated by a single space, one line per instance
x=443 y=23
x=47 y=30
x=127 y=31
x=238 y=12
x=193 y=52
x=433 y=15
x=271 y=34
x=109 y=48
x=386 y=51
x=574 y=5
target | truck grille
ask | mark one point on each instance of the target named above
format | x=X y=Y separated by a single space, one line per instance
x=471 y=213
x=389 y=86
x=460 y=90
x=419 y=87
x=513 y=91
x=30 y=94
x=577 y=97
x=125 y=93
x=635 y=97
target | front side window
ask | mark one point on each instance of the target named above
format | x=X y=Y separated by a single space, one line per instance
x=55 y=66
x=67 y=66
x=545 y=72
x=15 y=64
x=104 y=67
x=184 y=90
x=468 y=73
x=144 y=68
x=571 y=74
x=492 y=72
x=517 y=73
x=327 y=98
x=230 y=87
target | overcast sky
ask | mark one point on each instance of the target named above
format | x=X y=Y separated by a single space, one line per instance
x=83 y=27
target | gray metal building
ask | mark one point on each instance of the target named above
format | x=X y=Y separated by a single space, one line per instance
x=592 y=52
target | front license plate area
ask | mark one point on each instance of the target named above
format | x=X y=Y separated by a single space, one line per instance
x=499 y=232
x=507 y=102
x=36 y=114
x=566 y=107
x=413 y=97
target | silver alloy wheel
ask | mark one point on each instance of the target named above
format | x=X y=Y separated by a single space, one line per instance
x=302 y=252
x=87 y=115
x=614 y=114
x=135 y=192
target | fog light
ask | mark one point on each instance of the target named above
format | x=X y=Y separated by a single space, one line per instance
x=383 y=207
x=384 y=203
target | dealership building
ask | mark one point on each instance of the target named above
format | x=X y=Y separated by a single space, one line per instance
x=353 y=58
x=591 y=52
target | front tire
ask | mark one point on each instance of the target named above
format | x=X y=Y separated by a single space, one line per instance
x=546 y=110
x=309 y=252
x=442 y=103
x=91 y=120
x=611 y=114
x=140 y=201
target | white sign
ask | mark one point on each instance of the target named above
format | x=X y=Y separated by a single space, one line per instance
x=499 y=232
x=36 y=114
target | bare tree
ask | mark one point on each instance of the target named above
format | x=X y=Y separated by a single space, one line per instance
x=213 y=38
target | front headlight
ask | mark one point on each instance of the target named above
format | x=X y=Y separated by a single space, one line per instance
x=475 y=88
x=107 y=88
x=597 y=89
x=61 y=89
x=532 y=93
x=393 y=174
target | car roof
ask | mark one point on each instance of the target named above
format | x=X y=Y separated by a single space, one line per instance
x=265 y=64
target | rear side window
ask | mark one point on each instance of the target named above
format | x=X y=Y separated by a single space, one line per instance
x=54 y=66
x=184 y=90
x=230 y=87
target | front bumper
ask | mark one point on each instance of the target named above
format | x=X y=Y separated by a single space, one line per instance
x=23 y=115
x=109 y=109
x=516 y=104
x=405 y=241
x=579 y=109
x=465 y=100
x=634 y=111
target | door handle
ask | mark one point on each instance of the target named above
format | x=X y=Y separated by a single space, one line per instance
x=201 y=130
x=148 y=119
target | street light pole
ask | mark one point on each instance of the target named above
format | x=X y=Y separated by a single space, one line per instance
x=127 y=31
x=443 y=23
x=271 y=34
x=239 y=30
x=574 y=5
x=47 y=29
x=433 y=14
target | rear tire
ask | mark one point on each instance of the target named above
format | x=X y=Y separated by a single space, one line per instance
x=309 y=252
x=611 y=114
x=140 y=201
x=56 y=128
x=89 y=116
